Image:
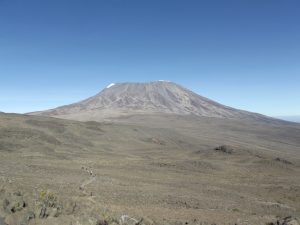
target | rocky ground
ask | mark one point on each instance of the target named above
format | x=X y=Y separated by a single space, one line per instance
x=148 y=170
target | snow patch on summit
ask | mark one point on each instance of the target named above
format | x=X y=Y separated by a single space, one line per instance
x=112 y=84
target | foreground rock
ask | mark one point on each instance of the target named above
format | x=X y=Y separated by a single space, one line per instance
x=14 y=203
x=286 y=221
x=225 y=149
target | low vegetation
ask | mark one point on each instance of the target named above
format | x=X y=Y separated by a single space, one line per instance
x=175 y=171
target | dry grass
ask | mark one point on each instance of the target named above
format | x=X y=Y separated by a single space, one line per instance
x=182 y=180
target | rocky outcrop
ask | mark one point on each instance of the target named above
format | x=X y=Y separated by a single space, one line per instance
x=14 y=203
x=225 y=149
x=286 y=221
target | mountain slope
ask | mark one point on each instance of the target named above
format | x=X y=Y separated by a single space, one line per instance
x=154 y=97
x=291 y=118
x=162 y=167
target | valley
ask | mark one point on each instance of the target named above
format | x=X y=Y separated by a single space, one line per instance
x=163 y=168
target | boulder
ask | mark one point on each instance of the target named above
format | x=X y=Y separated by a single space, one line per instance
x=284 y=161
x=14 y=204
x=290 y=221
x=286 y=221
x=225 y=149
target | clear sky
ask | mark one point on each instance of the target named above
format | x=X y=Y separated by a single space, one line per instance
x=242 y=53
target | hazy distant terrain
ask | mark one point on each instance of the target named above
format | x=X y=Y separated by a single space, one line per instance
x=291 y=118
x=159 y=154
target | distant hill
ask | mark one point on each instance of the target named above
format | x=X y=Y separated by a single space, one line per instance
x=146 y=98
x=290 y=118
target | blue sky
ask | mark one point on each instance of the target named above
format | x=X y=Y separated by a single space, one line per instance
x=242 y=53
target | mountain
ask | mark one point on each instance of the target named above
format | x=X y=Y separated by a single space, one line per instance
x=290 y=118
x=146 y=98
x=175 y=158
